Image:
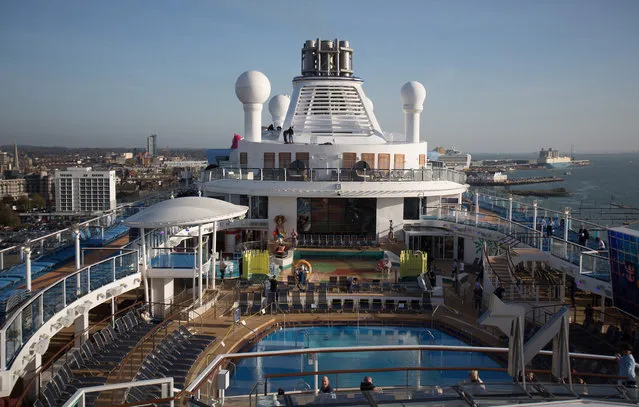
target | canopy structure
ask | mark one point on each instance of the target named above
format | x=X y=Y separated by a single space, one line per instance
x=186 y=211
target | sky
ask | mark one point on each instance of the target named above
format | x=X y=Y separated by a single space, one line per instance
x=501 y=76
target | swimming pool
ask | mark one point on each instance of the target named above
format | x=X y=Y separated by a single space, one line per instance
x=250 y=371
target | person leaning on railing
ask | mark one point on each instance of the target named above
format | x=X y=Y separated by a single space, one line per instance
x=627 y=366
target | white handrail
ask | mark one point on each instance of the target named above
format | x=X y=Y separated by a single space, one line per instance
x=78 y=396
x=202 y=376
x=40 y=295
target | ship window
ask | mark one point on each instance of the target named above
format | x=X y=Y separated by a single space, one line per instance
x=411 y=208
x=269 y=160
x=422 y=160
x=369 y=158
x=399 y=162
x=304 y=157
x=348 y=160
x=285 y=160
x=243 y=160
x=383 y=161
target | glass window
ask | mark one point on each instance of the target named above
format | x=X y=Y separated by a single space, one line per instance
x=383 y=161
x=399 y=161
x=259 y=207
x=369 y=158
x=285 y=160
x=411 y=208
x=348 y=160
x=244 y=160
x=304 y=157
x=269 y=160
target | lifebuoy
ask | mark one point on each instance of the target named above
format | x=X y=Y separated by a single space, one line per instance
x=305 y=263
x=381 y=265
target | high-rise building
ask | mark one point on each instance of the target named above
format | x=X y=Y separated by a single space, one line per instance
x=39 y=183
x=5 y=162
x=16 y=158
x=152 y=145
x=84 y=190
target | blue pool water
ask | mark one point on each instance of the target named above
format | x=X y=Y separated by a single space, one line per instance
x=250 y=371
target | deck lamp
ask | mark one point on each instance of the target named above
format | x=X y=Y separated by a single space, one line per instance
x=27 y=252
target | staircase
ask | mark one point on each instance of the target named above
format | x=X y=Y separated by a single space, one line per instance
x=499 y=266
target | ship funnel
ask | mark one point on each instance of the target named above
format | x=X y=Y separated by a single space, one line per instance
x=327 y=58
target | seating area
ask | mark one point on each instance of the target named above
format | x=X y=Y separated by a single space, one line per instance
x=95 y=358
x=321 y=300
x=336 y=241
x=173 y=357
x=15 y=275
x=94 y=237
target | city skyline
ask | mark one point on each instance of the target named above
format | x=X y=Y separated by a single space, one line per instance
x=500 y=76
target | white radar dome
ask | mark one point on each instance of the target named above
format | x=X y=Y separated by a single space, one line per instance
x=252 y=87
x=278 y=105
x=413 y=93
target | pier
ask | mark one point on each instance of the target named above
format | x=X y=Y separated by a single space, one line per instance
x=508 y=182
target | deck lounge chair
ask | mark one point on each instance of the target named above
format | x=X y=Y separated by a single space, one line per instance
x=282 y=301
x=297 y=302
x=349 y=305
x=322 y=304
x=310 y=299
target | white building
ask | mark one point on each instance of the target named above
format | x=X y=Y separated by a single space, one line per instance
x=84 y=190
x=339 y=175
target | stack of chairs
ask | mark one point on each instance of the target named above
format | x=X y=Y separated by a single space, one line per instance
x=108 y=347
x=173 y=357
x=310 y=299
x=297 y=302
x=63 y=384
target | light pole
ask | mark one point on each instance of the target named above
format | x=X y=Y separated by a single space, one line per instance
x=27 y=253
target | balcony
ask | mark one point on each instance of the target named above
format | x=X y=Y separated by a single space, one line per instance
x=334 y=175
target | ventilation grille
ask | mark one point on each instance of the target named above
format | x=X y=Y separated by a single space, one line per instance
x=331 y=110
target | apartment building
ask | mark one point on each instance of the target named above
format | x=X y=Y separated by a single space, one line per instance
x=84 y=190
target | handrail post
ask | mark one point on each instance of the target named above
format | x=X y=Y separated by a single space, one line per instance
x=3 y=350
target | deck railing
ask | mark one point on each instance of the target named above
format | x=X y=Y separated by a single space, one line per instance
x=203 y=386
x=334 y=175
x=23 y=323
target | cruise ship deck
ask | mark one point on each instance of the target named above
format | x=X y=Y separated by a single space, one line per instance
x=338 y=252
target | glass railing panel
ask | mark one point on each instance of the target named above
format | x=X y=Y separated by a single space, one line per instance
x=273 y=174
x=84 y=283
x=346 y=174
x=327 y=175
x=13 y=340
x=126 y=265
x=71 y=285
x=250 y=174
x=297 y=174
x=31 y=319
x=53 y=301
x=101 y=274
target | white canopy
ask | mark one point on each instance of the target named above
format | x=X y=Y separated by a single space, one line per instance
x=185 y=211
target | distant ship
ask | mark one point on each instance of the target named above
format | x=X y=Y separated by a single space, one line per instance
x=451 y=157
x=552 y=159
